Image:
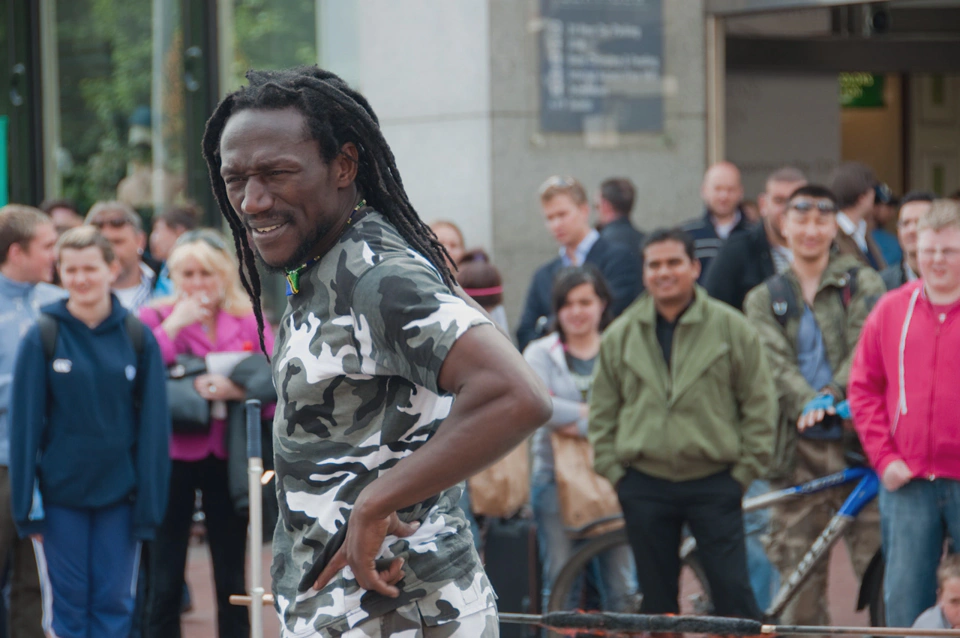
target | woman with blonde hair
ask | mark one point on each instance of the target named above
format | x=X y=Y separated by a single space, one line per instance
x=208 y=313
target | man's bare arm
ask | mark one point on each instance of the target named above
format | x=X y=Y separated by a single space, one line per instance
x=500 y=401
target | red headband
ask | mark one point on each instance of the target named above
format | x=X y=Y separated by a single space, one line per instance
x=484 y=292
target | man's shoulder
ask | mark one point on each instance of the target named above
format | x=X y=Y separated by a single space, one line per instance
x=718 y=311
x=897 y=300
x=371 y=250
x=547 y=270
x=698 y=227
x=932 y=618
x=893 y=276
x=606 y=252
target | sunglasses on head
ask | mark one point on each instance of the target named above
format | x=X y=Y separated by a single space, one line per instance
x=822 y=206
x=557 y=181
x=210 y=238
x=115 y=222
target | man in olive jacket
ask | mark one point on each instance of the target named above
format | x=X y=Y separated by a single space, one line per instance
x=809 y=321
x=681 y=421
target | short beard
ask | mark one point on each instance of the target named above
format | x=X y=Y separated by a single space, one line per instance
x=300 y=256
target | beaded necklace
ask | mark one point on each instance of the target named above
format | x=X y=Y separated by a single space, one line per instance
x=293 y=276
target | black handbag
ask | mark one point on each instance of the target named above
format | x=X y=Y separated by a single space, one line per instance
x=189 y=412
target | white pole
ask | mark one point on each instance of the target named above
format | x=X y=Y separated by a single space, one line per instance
x=254 y=474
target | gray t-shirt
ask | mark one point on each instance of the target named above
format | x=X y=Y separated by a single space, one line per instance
x=931 y=619
x=356 y=364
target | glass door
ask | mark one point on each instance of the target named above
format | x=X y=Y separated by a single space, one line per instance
x=21 y=167
x=128 y=88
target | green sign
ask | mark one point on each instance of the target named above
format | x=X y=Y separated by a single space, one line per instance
x=861 y=90
x=4 y=192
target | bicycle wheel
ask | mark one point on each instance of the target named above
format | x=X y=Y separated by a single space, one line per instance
x=875 y=604
x=694 y=591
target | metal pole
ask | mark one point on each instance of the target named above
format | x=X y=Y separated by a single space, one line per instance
x=636 y=623
x=254 y=473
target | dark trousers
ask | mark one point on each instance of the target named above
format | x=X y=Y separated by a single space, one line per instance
x=26 y=604
x=227 y=537
x=655 y=511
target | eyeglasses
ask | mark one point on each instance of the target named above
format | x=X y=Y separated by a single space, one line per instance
x=946 y=253
x=823 y=206
x=114 y=222
x=211 y=238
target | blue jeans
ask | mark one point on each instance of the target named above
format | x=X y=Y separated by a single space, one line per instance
x=92 y=560
x=764 y=578
x=615 y=572
x=912 y=523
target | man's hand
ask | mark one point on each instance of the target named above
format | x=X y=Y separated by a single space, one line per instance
x=896 y=475
x=815 y=410
x=364 y=538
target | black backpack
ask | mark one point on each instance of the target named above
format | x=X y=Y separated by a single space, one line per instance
x=784 y=302
x=50 y=326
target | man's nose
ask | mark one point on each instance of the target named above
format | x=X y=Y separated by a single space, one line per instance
x=256 y=198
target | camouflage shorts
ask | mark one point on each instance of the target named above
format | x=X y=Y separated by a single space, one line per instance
x=429 y=617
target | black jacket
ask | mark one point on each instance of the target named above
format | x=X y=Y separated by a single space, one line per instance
x=894 y=276
x=622 y=232
x=706 y=242
x=618 y=266
x=743 y=263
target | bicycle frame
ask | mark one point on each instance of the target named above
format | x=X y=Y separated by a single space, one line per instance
x=865 y=491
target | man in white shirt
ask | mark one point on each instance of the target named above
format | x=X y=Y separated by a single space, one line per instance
x=854 y=184
x=566 y=212
x=122 y=227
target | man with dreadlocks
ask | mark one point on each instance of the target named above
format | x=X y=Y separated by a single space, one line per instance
x=392 y=388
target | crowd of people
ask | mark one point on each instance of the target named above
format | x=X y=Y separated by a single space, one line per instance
x=733 y=373
x=735 y=353
x=104 y=464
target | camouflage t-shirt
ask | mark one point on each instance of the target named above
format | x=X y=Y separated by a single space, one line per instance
x=356 y=363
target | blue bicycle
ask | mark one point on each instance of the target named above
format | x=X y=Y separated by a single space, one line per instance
x=695 y=591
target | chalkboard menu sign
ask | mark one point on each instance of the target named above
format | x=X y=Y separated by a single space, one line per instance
x=601 y=65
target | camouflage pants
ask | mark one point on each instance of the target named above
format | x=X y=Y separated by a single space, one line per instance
x=794 y=526
x=428 y=617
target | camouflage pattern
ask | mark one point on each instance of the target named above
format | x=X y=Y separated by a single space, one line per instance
x=356 y=365
x=840 y=327
x=431 y=617
x=795 y=525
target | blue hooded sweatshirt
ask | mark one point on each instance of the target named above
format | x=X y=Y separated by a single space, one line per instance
x=78 y=432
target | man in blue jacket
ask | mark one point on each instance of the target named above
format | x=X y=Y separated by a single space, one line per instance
x=27 y=239
x=566 y=211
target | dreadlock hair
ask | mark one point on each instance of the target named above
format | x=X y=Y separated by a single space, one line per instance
x=335 y=114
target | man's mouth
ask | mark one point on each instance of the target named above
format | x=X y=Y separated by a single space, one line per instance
x=265 y=231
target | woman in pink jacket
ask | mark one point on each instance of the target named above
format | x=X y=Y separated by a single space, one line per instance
x=209 y=312
x=904 y=393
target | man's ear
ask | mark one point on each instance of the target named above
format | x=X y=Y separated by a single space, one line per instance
x=14 y=253
x=347 y=164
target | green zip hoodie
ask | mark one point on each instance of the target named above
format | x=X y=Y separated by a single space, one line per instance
x=714 y=409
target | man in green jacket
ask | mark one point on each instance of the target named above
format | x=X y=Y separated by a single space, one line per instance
x=681 y=421
x=809 y=321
